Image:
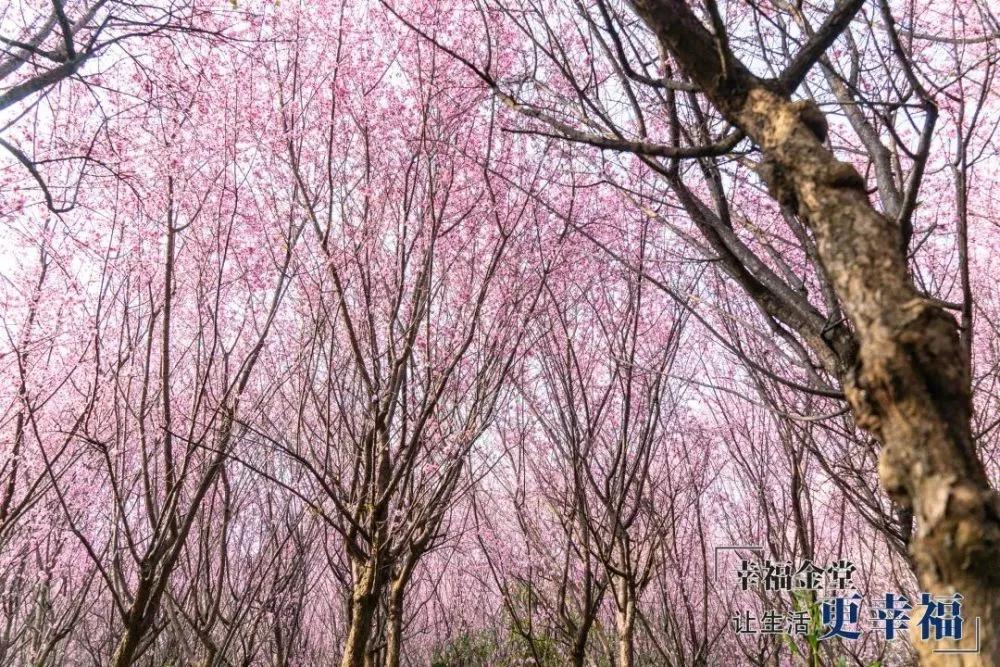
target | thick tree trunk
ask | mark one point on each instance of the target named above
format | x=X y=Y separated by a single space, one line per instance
x=394 y=613
x=394 y=624
x=124 y=653
x=625 y=624
x=626 y=633
x=578 y=655
x=908 y=385
x=364 y=601
x=137 y=623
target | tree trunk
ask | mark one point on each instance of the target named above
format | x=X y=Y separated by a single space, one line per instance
x=579 y=652
x=394 y=627
x=137 y=623
x=364 y=600
x=125 y=652
x=908 y=385
x=397 y=596
x=625 y=623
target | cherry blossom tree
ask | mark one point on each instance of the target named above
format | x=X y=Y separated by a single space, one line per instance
x=669 y=82
x=397 y=333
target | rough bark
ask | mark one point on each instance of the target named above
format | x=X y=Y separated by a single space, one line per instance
x=625 y=623
x=394 y=623
x=364 y=600
x=578 y=654
x=909 y=384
